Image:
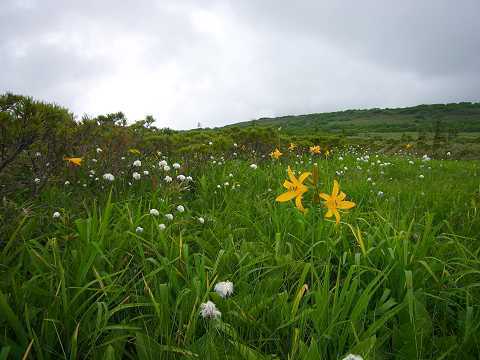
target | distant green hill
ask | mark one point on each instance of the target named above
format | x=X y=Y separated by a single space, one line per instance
x=456 y=117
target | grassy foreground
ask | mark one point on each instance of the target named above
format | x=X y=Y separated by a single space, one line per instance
x=398 y=278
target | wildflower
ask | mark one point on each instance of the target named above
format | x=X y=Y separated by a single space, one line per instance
x=146 y=173
x=295 y=189
x=369 y=179
x=154 y=212
x=315 y=149
x=336 y=202
x=38 y=154
x=449 y=153
x=292 y=146
x=169 y=217
x=94 y=160
x=162 y=163
x=421 y=176
x=166 y=168
x=37 y=180
x=161 y=227
x=99 y=150
x=108 y=177
x=139 y=230
x=180 y=208
x=327 y=153
x=201 y=220
x=189 y=178
x=56 y=215
x=380 y=194
x=210 y=143
x=136 y=176
x=67 y=182
x=168 y=179
x=137 y=163
x=352 y=357
x=73 y=160
x=426 y=158
x=408 y=146
x=253 y=166
x=208 y=310
x=181 y=177
x=224 y=288
x=410 y=162
x=134 y=151
x=235 y=144
x=276 y=154
x=176 y=166
x=123 y=158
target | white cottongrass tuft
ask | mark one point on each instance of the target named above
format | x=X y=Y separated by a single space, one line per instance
x=161 y=227
x=224 y=288
x=67 y=182
x=168 y=179
x=201 y=220
x=181 y=177
x=108 y=177
x=37 y=180
x=180 y=208
x=421 y=176
x=136 y=176
x=56 y=215
x=189 y=178
x=139 y=230
x=154 y=212
x=146 y=173
x=99 y=150
x=209 y=310
x=137 y=163
x=380 y=194
x=166 y=168
x=253 y=166
x=176 y=166
x=352 y=357
x=162 y=163
x=169 y=217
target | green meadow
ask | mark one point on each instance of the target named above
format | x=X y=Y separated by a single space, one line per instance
x=123 y=242
x=398 y=277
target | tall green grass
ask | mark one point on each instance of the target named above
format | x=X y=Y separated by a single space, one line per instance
x=399 y=278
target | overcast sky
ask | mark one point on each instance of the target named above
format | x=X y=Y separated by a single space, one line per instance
x=219 y=62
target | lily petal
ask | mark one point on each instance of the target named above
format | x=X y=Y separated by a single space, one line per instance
x=286 y=196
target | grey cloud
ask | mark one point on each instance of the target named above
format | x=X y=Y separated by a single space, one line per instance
x=218 y=62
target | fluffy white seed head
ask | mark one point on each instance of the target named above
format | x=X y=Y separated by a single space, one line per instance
x=209 y=310
x=154 y=212
x=108 y=177
x=224 y=288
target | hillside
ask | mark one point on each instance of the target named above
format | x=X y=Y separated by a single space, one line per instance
x=455 y=118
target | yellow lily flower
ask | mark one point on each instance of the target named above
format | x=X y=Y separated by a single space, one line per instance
x=276 y=154
x=408 y=146
x=336 y=202
x=327 y=153
x=295 y=189
x=292 y=146
x=315 y=149
x=73 y=160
